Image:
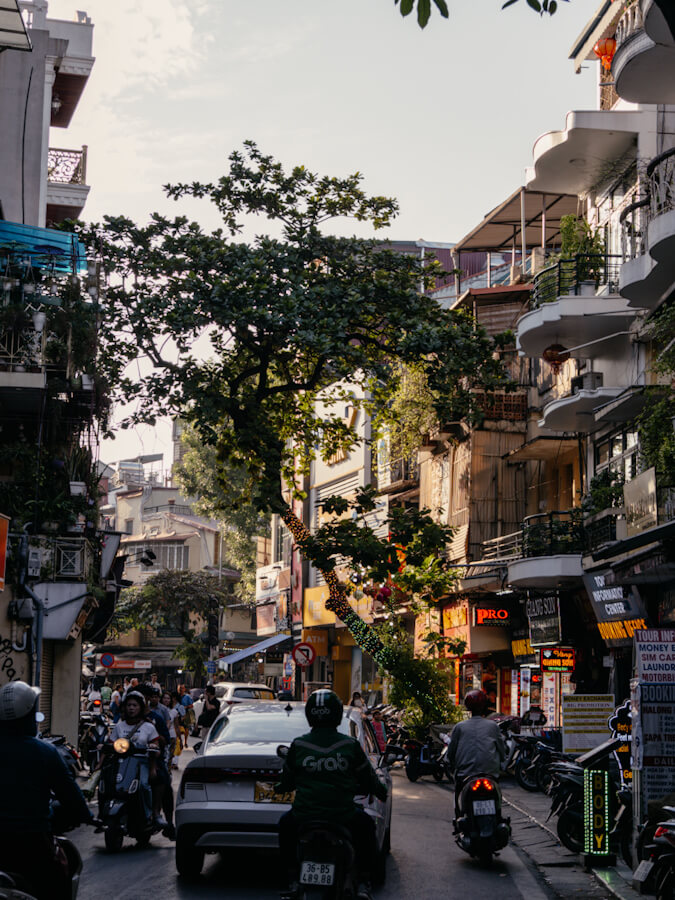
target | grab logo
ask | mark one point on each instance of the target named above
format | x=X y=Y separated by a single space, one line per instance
x=491 y=616
x=326 y=764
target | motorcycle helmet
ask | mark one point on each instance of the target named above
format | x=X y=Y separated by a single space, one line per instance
x=323 y=709
x=476 y=702
x=17 y=700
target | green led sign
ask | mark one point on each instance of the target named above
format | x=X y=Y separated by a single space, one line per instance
x=596 y=812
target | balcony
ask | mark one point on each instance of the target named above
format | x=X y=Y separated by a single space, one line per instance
x=574 y=412
x=661 y=227
x=398 y=475
x=603 y=529
x=643 y=69
x=655 y=24
x=67 y=189
x=571 y=161
x=575 y=302
x=641 y=280
x=551 y=547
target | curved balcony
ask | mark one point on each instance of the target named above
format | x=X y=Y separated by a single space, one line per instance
x=575 y=302
x=575 y=411
x=67 y=188
x=571 y=161
x=641 y=280
x=661 y=228
x=643 y=70
x=552 y=545
x=655 y=23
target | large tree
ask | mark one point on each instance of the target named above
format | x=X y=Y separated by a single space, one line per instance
x=423 y=7
x=296 y=326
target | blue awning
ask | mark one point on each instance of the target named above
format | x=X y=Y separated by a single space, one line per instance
x=226 y=661
x=60 y=250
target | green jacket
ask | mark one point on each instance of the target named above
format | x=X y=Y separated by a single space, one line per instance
x=326 y=769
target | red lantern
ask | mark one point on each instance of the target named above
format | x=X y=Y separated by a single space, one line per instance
x=555 y=356
x=605 y=50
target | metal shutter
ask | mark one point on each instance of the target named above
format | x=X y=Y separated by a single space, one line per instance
x=47 y=684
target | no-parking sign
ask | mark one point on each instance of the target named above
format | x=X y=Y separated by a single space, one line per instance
x=107 y=660
x=304 y=654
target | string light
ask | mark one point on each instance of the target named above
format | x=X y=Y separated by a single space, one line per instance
x=387 y=658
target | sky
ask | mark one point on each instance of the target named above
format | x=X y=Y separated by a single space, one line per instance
x=443 y=119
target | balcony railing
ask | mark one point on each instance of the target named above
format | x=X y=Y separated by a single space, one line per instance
x=633 y=222
x=169 y=507
x=22 y=349
x=567 y=276
x=661 y=175
x=398 y=472
x=508 y=405
x=67 y=166
x=507 y=546
x=630 y=22
x=553 y=534
x=600 y=529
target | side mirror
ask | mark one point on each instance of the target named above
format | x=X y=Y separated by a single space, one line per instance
x=198 y=746
x=282 y=751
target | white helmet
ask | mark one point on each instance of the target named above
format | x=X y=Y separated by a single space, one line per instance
x=17 y=699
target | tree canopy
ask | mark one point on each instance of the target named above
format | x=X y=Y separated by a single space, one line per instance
x=424 y=8
x=259 y=345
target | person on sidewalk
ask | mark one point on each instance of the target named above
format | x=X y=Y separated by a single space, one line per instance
x=476 y=745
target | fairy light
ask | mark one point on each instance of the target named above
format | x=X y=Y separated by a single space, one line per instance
x=386 y=657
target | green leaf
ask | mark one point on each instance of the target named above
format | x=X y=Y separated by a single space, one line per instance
x=423 y=12
x=442 y=8
x=535 y=4
x=407 y=7
x=552 y=7
x=508 y=3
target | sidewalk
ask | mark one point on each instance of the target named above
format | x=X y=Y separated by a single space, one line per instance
x=562 y=870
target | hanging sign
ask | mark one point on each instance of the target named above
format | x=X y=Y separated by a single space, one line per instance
x=620 y=725
x=543 y=616
x=491 y=615
x=655 y=655
x=557 y=659
x=617 y=607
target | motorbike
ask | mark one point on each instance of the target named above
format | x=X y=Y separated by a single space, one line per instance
x=567 y=803
x=480 y=829
x=661 y=854
x=123 y=809
x=66 y=751
x=422 y=758
x=326 y=857
x=93 y=736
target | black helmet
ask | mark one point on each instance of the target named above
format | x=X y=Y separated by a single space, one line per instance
x=324 y=709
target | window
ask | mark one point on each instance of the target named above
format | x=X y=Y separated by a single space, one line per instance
x=172 y=556
x=129 y=526
x=618 y=452
x=70 y=561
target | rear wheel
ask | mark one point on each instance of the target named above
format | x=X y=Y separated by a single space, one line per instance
x=113 y=840
x=571 y=830
x=412 y=769
x=526 y=775
x=666 y=889
x=438 y=774
x=189 y=859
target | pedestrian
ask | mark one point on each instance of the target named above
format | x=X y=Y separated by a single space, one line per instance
x=188 y=719
x=162 y=793
x=210 y=711
x=356 y=700
x=175 y=728
x=115 y=701
x=154 y=682
x=380 y=730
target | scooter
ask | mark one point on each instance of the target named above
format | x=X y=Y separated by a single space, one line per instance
x=93 y=739
x=422 y=759
x=123 y=808
x=662 y=856
x=326 y=857
x=480 y=829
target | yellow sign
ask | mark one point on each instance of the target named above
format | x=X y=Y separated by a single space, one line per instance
x=315 y=612
x=318 y=640
x=522 y=647
x=614 y=631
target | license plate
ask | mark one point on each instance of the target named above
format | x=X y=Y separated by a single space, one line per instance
x=317 y=873
x=484 y=808
x=264 y=793
x=641 y=874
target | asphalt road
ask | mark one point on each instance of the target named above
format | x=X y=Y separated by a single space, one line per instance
x=425 y=863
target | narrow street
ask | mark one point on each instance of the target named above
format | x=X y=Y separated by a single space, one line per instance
x=425 y=863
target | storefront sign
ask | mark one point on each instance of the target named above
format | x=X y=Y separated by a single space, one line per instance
x=135 y=665
x=267 y=582
x=4 y=532
x=265 y=616
x=584 y=718
x=620 y=725
x=491 y=615
x=654 y=739
x=454 y=616
x=557 y=659
x=317 y=638
x=548 y=699
x=596 y=812
x=617 y=607
x=639 y=500
x=543 y=616
x=655 y=656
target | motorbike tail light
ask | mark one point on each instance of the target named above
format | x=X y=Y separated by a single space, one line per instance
x=487 y=785
x=476 y=785
x=665 y=832
x=97 y=702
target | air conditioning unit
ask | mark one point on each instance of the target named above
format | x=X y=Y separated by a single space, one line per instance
x=589 y=381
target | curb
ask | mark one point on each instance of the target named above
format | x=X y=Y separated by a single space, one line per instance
x=617 y=881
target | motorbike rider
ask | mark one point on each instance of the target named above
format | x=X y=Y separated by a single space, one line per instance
x=476 y=745
x=136 y=726
x=326 y=769
x=33 y=772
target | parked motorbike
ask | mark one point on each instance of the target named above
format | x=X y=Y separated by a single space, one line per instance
x=93 y=736
x=422 y=758
x=480 y=829
x=662 y=857
x=567 y=796
x=66 y=751
x=123 y=809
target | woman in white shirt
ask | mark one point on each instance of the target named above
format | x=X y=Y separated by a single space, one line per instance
x=143 y=735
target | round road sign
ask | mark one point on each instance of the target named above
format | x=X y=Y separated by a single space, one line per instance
x=107 y=660
x=304 y=654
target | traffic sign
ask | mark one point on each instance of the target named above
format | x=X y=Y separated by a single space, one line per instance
x=304 y=654
x=211 y=666
x=107 y=660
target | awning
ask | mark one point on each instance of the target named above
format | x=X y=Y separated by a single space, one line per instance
x=13 y=34
x=545 y=447
x=226 y=661
x=501 y=227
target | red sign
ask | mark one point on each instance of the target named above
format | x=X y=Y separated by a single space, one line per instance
x=4 y=531
x=303 y=655
x=557 y=659
x=493 y=615
x=107 y=660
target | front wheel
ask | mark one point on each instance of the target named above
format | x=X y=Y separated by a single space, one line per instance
x=666 y=889
x=571 y=830
x=438 y=774
x=412 y=769
x=189 y=859
x=526 y=775
x=113 y=840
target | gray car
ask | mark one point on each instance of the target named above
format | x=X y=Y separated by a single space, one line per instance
x=226 y=799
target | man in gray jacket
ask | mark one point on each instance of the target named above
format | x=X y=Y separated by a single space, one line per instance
x=476 y=745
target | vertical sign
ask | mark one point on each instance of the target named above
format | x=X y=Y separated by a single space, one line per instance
x=548 y=698
x=4 y=532
x=596 y=812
